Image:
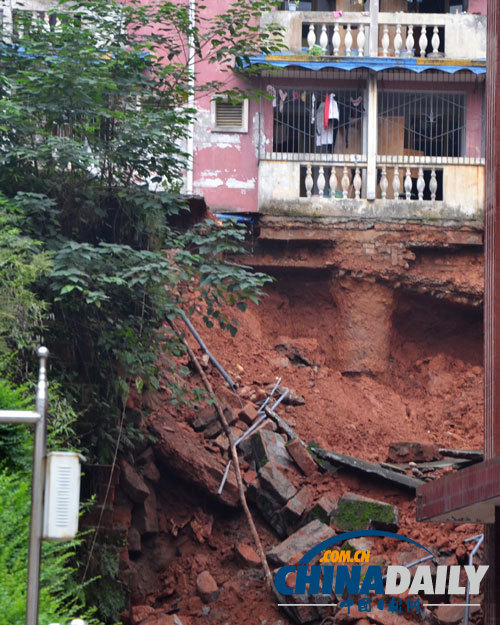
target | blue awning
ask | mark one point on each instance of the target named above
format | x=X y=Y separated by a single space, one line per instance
x=376 y=64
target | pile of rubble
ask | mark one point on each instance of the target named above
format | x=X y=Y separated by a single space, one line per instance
x=281 y=475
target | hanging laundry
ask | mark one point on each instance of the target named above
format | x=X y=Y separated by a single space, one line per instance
x=352 y=113
x=313 y=108
x=283 y=97
x=272 y=92
x=331 y=109
x=303 y=96
x=295 y=95
x=328 y=135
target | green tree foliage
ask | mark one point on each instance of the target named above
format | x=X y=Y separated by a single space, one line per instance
x=93 y=115
x=94 y=252
x=61 y=597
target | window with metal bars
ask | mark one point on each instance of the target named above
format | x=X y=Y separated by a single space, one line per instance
x=421 y=124
x=229 y=116
x=301 y=130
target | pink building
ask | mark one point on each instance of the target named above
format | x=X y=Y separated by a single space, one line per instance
x=402 y=134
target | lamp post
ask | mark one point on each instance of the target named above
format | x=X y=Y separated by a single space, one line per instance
x=37 y=484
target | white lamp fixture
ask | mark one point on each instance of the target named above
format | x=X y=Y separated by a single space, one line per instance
x=62 y=496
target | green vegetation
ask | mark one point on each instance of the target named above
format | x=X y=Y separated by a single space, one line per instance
x=95 y=248
x=357 y=514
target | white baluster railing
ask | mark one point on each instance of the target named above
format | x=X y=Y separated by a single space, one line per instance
x=311 y=36
x=410 y=41
x=421 y=184
x=346 y=183
x=396 y=32
x=361 y=40
x=337 y=38
x=348 y=41
x=322 y=181
x=336 y=41
x=396 y=183
x=323 y=39
x=423 y=41
x=384 y=183
x=435 y=41
x=309 y=182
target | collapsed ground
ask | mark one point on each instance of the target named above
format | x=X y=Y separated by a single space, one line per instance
x=429 y=391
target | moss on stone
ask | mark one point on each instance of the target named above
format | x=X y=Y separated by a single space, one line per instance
x=357 y=514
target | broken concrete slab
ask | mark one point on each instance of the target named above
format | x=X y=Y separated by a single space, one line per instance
x=412 y=452
x=268 y=446
x=276 y=482
x=334 y=459
x=299 y=543
x=354 y=512
x=180 y=451
x=474 y=455
x=302 y=458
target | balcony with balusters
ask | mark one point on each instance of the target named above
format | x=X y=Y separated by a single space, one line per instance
x=432 y=36
x=428 y=163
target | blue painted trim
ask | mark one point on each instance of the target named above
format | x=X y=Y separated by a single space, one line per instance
x=377 y=64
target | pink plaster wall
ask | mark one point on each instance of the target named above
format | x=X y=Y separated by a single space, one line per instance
x=478 y=6
x=226 y=164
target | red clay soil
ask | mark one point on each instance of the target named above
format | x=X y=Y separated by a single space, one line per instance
x=429 y=391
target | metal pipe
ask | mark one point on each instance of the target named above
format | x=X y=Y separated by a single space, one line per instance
x=259 y=421
x=18 y=416
x=215 y=362
x=268 y=398
x=37 y=486
x=480 y=539
x=250 y=430
x=415 y=562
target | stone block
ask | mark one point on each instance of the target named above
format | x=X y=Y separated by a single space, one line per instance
x=300 y=455
x=403 y=452
x=271 y=510
x=206 y=587
x=132 y=483
x=299 y=543
x=150 y=472
x=145 y=516
x=276 y=482
x=268 y=446
x=324 y=508
x=246 y=555
x=294 y=510
x=204 y=418
x=134 y=541
x=354 y=512
x=248 y=413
